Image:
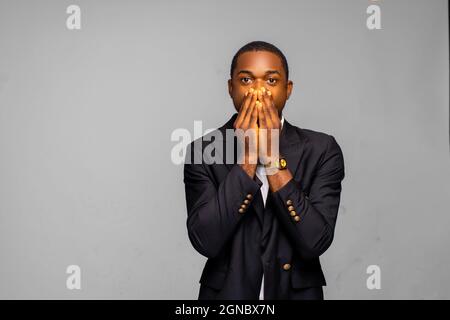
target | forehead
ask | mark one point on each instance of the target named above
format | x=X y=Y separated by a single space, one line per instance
x=258 y=62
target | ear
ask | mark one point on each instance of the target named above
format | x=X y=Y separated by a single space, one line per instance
x=230 y=88
x=290 y=85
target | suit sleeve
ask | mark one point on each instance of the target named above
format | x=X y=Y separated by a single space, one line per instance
x=213 y=211
x=313 y=231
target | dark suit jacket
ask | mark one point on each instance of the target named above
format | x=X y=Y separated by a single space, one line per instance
x=241 y=246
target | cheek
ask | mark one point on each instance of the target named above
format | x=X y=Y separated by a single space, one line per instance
x=238 y=99
x=277 y=101
x=282 y=95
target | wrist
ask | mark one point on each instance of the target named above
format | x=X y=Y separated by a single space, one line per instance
x=274 y=165
x=250 y=169
x=275 y=162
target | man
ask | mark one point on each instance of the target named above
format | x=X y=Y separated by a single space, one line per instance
x=263 y=233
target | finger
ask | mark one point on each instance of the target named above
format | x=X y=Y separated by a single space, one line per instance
x=273 y=112
x=264 y=112
x=248 y=96
x=246 y=121
x=260 y=95
x=264 y=103
x=244 y=108
x=254 y=116
x=267 y=98
x=267 y=116
x=263 y=92
x=261 y=117
x=246 y=103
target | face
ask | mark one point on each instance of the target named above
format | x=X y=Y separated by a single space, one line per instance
x=257 y=69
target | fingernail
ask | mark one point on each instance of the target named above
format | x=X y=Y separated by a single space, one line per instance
x=263 y=89
x=269 y=93
x=251 y=90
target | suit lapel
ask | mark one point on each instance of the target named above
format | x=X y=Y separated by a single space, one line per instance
x=292 y=144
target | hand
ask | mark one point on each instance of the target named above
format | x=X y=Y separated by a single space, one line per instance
x=269 y=125
x=246 y=128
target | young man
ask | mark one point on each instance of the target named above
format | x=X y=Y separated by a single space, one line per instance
x=263 y=233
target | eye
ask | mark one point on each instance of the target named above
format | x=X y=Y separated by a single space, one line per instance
x=272 y=80
x=246 y=80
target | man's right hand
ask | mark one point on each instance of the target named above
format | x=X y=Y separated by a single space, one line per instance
x=247 y=123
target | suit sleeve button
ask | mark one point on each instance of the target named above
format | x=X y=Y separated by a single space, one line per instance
x=289 y=202
x=241 y=210
x=243 y=206
x=297 y=218
x=246 y=201
x=249 y=196
x=290 y=208
x=293 y=213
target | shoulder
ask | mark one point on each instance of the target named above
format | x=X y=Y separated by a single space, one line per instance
x=323 y=141
x=320 y=145
x=319 y=141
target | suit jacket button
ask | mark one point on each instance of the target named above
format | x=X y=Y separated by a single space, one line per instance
x=241 y=210
x=286 y=266
x=289 y=202
x=290 y=208
x=293 y=213
x=249 y=196
x=297 y=218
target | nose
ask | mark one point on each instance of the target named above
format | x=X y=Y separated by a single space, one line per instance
x=259 y=88
x=259 y=85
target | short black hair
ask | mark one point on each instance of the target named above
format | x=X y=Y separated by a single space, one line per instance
x=260 y=46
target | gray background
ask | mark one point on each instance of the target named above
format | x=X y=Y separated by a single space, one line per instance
x=86 y=117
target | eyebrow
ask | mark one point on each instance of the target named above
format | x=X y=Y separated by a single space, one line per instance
x=267 y=72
